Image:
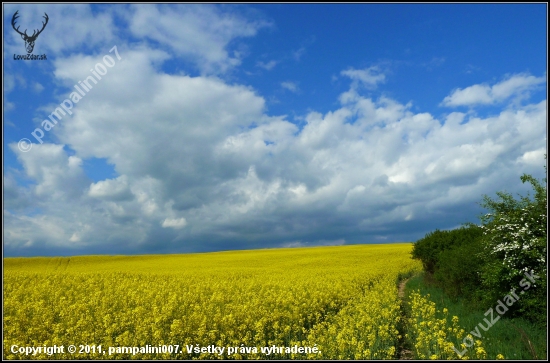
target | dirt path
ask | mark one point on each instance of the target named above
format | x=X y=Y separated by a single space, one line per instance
x=402 y=352
x=402 y=284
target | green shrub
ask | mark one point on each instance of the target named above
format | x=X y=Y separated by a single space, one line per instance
x=459 y=270
x=515 y=243
x=429 y=248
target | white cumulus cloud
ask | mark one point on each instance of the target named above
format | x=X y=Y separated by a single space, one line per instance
x=517 y=85
x=368 y=77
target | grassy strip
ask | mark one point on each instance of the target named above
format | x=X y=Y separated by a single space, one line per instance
x=514 y=338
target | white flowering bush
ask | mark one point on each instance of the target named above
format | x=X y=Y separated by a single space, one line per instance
x=515 y=243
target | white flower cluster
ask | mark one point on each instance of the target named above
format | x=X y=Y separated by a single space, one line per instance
x=518 y=238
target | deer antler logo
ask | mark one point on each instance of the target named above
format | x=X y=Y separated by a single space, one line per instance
x=29 y=40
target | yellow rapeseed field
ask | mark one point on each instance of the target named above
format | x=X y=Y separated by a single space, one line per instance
x=338 y=302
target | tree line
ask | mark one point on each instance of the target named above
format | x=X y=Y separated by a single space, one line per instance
x=483 y=263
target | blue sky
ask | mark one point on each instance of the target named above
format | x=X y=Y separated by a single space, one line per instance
x=219 y=127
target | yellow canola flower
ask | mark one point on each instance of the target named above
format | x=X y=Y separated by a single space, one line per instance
x=433 y=336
